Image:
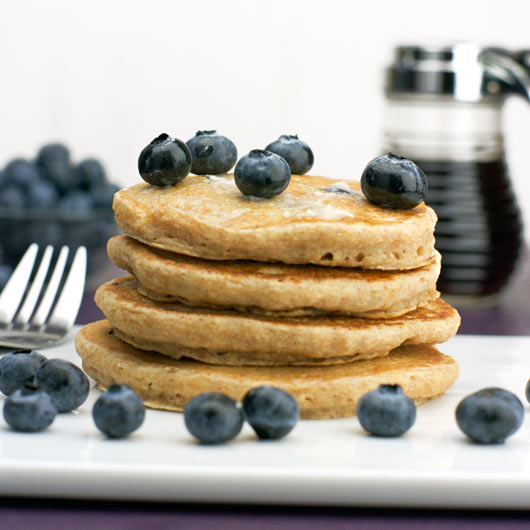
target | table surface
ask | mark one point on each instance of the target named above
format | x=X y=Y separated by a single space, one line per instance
x=510 y=316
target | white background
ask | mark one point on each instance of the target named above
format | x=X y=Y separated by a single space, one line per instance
x=108 y=76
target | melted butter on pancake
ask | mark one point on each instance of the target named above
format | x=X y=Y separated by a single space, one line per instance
x=305 y=198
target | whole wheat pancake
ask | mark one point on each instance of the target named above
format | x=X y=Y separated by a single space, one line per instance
x=315 y=220
x=322 y=392
x=274 y=289
x=233 y=338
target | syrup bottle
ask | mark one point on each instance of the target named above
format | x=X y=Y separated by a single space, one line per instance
x=444 y=110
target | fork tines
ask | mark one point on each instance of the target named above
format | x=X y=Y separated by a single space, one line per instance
x=40 y=296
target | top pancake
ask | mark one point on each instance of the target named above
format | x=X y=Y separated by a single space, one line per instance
x=315 y=220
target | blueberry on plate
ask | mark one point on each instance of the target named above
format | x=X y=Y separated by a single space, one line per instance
x=166 y=161
x=394 y=182
x=66 y=384
x=213 y=418
x=262 y=174
x=295 y=152
x=490 y=415
x=91 y=174
x=270 y=411
x=29 y=409
x=211 y=153
x=18 y=367
x=21 y=173
x=118 y=412
x=527 y=391
x=386 y=411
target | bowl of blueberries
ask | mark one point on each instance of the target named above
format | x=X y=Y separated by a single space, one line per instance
x=53 y=200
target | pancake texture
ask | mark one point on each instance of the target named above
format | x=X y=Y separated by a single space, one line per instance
x=274 y=289
x=322 y=392
x=232 y=338
x=314 y=221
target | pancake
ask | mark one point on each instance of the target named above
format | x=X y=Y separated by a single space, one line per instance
x=232 y=338
x=274 y=289
x=322 y=392
x=315 y=220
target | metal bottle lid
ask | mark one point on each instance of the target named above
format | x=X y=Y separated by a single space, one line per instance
x=464 y=71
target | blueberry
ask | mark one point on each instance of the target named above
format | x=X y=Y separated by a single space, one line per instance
x=29 y=409
x=18 y=367
x=165 y=161
x=65 y=179
x=394 y=182
x=295 y=152
x=76 y=201
x=118 y=412
x=12 y=196
x=386 y=411
x=51 y=155
x=21 y=173
x=91 y=174
x=262 y=174
x=272 y=412
x=490 y=415
x=66 y=384
x=5 y=273
x=103 y=195
x=527 y=391
x=211 y=153
x=213 y=418
x=42 y=195
x=54 y=163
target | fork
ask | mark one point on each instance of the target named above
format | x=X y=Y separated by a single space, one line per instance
x=29 y=318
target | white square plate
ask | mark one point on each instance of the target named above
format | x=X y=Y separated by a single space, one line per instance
x=329 y=462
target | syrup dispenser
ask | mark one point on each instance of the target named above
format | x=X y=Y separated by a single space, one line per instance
x=444 y=110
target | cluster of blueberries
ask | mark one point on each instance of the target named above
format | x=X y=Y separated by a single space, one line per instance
x=389 y=181
x=166 y=161
x=488 y=416
x=49 y=200
x=52 y=181
x=38 y=389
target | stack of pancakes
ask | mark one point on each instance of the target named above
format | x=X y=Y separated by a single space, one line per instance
x=316 y=291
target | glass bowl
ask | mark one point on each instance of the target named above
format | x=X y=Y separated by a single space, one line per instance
x=21 y=227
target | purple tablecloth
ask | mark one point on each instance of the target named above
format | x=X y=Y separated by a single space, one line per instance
x=510 y=317
x=54 y=515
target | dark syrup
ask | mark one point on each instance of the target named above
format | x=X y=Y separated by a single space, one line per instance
x=479 y=230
